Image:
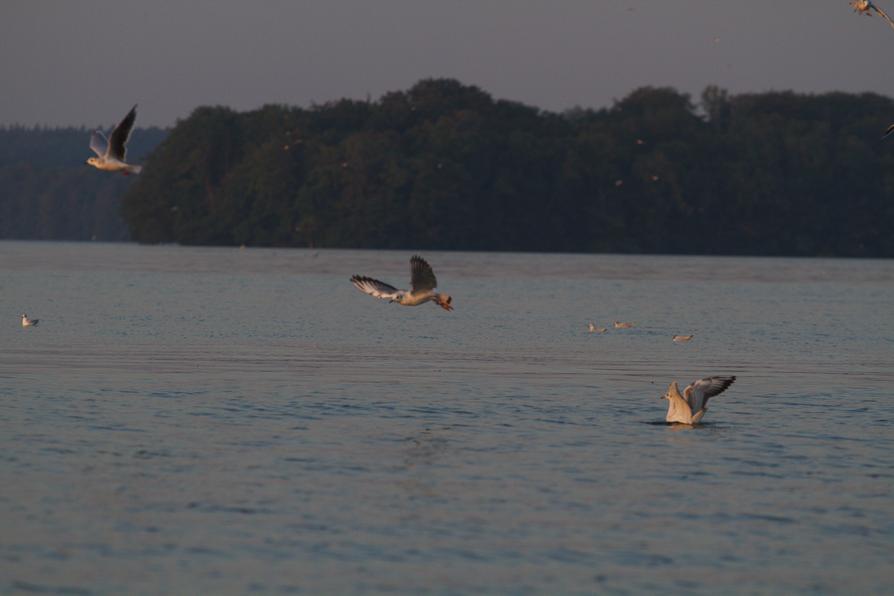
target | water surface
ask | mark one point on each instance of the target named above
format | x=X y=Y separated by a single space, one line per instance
x=222 y=421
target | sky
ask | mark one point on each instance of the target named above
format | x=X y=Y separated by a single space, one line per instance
x=85 y=62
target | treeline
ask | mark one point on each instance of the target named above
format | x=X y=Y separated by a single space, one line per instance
x=445 y=166
x=47 y=192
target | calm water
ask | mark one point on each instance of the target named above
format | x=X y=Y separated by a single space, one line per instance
x=221 y=421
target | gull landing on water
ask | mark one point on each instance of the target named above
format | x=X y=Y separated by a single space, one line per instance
x=422 y=282
x=690 y=407
x=621 y=325
x=112 y=152
x=682 y=339
x=26 y=322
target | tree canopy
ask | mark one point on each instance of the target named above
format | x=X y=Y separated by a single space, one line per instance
x=444 y=165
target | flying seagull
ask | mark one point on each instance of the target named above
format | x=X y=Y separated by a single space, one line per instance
x=422 y=281
x=866 y=6
x=26 y=322
x=111 y=152
x=690 y=407
x=682 y=339
x=888 y=131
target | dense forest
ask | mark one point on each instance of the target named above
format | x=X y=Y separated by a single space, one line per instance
x=446 y=166
x=47 y=191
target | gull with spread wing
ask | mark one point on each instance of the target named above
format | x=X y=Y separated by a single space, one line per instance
x=112 y=152
x=422 y=282
x=690 y=407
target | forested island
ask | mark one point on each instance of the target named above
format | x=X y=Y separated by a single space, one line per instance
x=444 y=165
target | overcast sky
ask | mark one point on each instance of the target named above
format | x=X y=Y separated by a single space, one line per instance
x=85 y=62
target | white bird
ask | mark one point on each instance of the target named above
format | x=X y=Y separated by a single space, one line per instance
x=112 y=152
x=620 y=325
x=422 y=282
x=865 y=6
x=690 y=407
x=26 y=322
x=591 y=326
x=682 y=339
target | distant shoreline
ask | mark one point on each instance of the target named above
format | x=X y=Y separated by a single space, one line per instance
x=229 y=247
x=445 y=166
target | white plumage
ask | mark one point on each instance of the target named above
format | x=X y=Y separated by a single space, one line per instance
x=422 y=283
x=690 y=407
x=111 y=153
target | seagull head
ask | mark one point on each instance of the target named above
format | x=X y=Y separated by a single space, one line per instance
x=92 y=161
x=444 y=301
x=672 y=389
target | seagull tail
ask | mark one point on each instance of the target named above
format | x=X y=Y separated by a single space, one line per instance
x=134 y=169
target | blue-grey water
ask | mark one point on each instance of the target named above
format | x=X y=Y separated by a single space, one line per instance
x=212 y=420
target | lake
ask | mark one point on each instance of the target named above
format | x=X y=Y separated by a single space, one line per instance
x=217 y=420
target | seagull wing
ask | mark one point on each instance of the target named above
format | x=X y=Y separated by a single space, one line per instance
x=121 y=134
x=883 y=14
x=422 y=278
x=374 y=287
x=699 y=392
x=889 y=130
x=99 y=143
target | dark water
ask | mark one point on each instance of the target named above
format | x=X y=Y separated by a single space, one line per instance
x=228 y=421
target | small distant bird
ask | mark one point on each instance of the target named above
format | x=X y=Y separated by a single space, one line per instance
x=422 y=281
x=682 y=339
x=594 y=329
x=620 y=325
x=619 y=183
x=889 y=130
x=866 y=6
x=654 y=178
x=26 y=322
x=695 y=398
x=112 y=152
x=862 y=6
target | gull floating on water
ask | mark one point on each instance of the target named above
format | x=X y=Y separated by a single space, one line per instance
x=26 y=322
x=682 y=339
x=112 y=152
x=594 y=329
x=620 y=325
x=690 y=407
x=422 y=282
